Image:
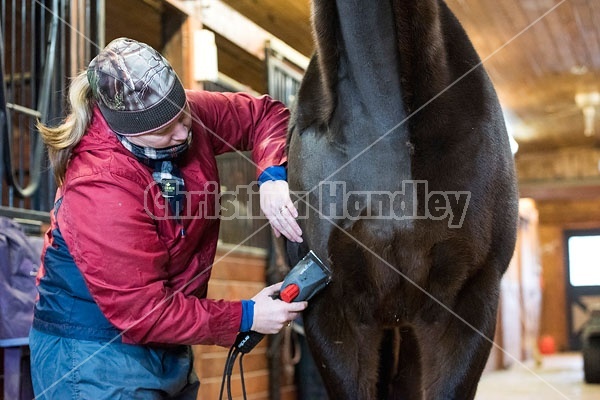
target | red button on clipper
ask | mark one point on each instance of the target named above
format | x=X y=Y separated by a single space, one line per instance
x=289 y=293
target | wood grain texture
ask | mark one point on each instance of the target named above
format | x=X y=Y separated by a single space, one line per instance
x=537 y=63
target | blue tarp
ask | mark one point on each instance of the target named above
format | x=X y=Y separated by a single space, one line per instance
x=19 y=262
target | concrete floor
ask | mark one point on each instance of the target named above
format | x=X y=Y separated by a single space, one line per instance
x=559 y=377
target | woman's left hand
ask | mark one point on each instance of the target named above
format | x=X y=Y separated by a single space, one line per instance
x=279 y=209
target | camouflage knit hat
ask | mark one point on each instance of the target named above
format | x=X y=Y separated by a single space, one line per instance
x=136 y=88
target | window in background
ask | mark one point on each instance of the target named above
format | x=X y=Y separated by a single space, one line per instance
x=584 y=263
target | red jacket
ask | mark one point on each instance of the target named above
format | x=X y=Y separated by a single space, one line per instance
x=147 y=277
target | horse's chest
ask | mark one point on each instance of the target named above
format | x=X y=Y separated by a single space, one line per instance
x=351 y=181
x=358 y=161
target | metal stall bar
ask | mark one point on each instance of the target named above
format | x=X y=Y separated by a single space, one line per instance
x=22 y=152
x=283 y=77
x=42 y=43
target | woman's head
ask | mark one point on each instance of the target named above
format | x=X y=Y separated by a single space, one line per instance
x=135 y=88
x=138 y=94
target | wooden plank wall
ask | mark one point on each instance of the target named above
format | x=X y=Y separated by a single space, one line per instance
x=136 y=19
x=237 y=275
x=161 y=24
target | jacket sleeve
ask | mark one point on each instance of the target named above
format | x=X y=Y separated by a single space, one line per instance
x=125 y=265
x=238 y=121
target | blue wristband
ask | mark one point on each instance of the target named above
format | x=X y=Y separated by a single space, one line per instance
x=274 y=173
x=247 y=315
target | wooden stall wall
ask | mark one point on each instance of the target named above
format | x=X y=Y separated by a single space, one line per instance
x=238 y=274
x=164 y=25
x=137 y=19
x=556 y=217
x=235 y=275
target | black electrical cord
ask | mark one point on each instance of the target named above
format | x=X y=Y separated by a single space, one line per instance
x=242 y=376
x=244 y=343
x=231 y=356
x=307 y=278
x=229 y=378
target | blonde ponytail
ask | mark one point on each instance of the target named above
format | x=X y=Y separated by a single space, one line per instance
x=63 y=138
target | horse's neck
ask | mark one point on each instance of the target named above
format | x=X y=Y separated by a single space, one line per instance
x=367 y=39
x=368 y=68
x=390 y=50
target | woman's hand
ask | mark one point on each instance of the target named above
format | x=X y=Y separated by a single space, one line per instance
x=277 y=206
x=271 y=315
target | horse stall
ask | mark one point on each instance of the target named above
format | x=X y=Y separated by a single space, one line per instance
x=338 y=116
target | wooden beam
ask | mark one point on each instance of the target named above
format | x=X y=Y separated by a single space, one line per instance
x=561 y=189
x=244 y=33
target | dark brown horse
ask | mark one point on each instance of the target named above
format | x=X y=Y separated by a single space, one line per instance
x=399 y=140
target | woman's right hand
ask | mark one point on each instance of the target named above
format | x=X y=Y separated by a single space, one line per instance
x=270 y=315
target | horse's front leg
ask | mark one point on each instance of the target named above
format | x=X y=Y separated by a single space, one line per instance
x=346 y=352
x=455 y=348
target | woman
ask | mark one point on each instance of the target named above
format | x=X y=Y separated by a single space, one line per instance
x=126 y=262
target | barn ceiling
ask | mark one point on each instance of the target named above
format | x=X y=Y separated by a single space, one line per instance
x=540 y=55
